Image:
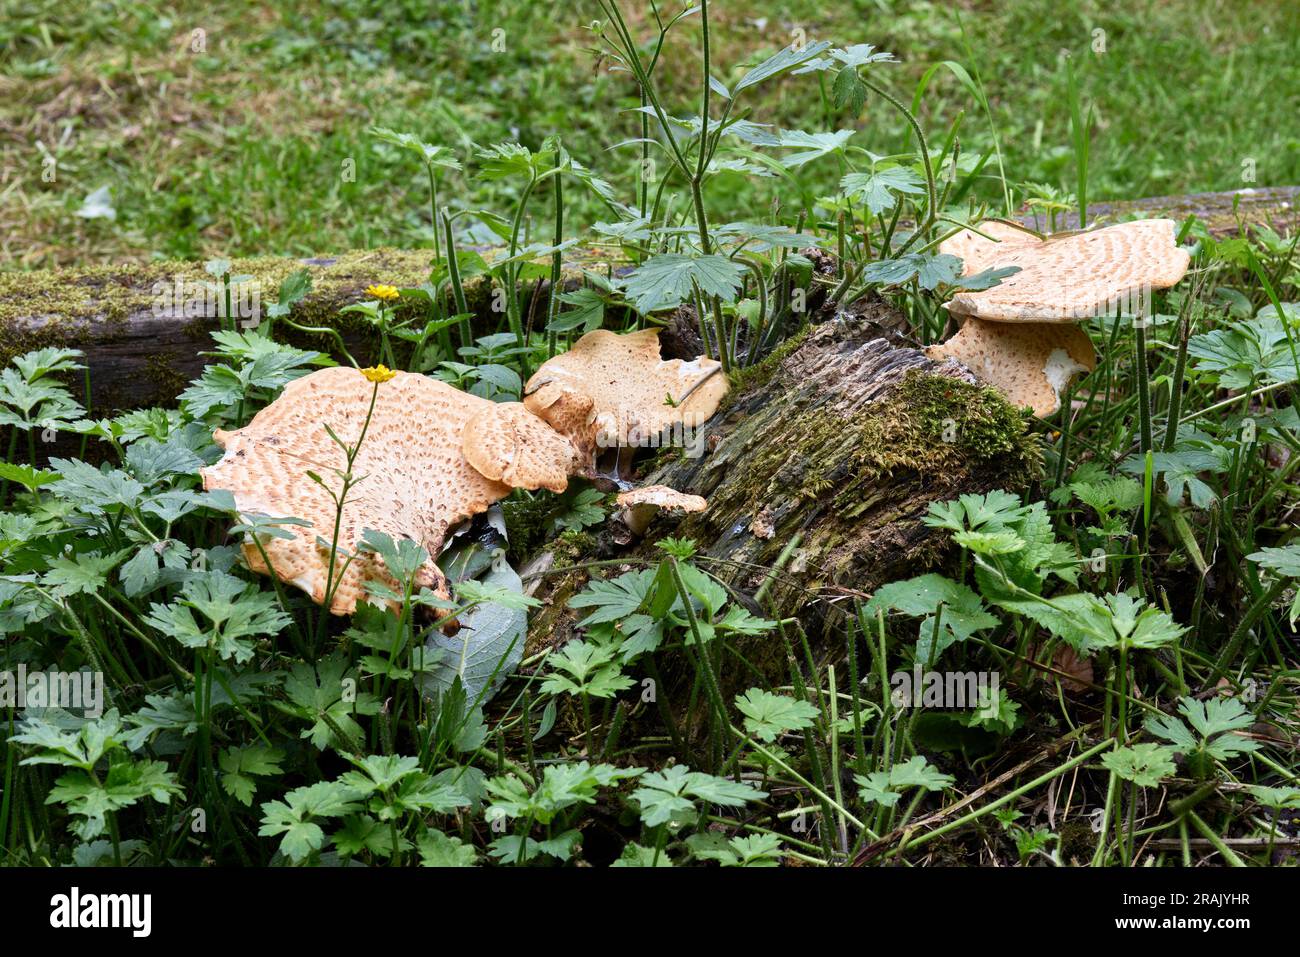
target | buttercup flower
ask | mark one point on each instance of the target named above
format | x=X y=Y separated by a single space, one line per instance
x=382 y=292
x=379 y=373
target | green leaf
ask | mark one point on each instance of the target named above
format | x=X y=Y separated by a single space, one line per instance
x=786 y=59
x=614 y=599
x=1144 y=764
x=880 y=189
x=489 y=644
x=81 y=574
x=670 y=795
x=588 y=312
x=26 y=476
x=240 y=765
x=768 y=715
x=813 y=145
x=438 y=850
x=930 y=270
x=294 y=818
x=667 y=280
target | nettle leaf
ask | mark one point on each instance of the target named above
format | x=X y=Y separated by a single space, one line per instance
x=880 y=189
x=768 y=715
x=1144 y=764
x=667 y=280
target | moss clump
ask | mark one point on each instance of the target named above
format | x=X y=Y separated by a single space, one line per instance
x=929 y=425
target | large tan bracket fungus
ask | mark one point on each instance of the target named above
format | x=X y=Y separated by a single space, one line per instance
x=1018 y=335
x=415 y=482
x=616 y=390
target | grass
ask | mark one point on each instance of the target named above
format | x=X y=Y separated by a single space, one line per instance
x=241 y=148
x=1124 y=617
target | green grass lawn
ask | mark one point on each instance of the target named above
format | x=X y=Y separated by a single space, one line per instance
x=240 y=140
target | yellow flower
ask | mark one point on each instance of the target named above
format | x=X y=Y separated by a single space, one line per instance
x=386 y=293
x=379 y=373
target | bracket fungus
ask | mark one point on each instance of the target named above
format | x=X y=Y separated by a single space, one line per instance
x=641 y=505
x=507 y=443
x=433 y=456
x=412 y=478
x=1018 y=335
x=616 y=390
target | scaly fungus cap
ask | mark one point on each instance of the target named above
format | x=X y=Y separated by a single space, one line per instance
x=614 y=389
x=640 y=505
x=507 y=443
x=413 y=481
x=1067 y=278
x=1017 y=334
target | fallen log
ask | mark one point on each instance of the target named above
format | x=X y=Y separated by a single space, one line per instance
x=139 y=357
